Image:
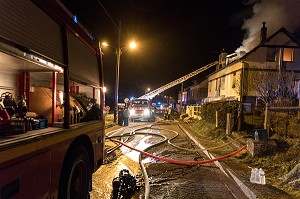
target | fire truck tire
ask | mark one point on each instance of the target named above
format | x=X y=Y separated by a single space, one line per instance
x=76 y=175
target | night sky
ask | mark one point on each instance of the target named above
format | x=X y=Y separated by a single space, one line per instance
x=174 y=37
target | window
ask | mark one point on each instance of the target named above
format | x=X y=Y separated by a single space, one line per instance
x=223 y=83
x=217 y=85
x=288 y=54
x=271 y=54
x=233 y=80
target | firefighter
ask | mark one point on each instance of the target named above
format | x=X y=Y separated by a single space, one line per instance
x=121 y=116
x=126 y=116
x=165 y=114
x=169 y=113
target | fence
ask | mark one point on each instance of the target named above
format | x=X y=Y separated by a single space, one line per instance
x=282 y=121
x=194 y=111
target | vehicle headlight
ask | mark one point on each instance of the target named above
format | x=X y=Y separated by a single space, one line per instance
x=146 y=112
x=131 y=112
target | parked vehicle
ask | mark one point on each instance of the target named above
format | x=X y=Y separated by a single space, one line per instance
x=140 y=109
x=160 y=109
x=51 y=106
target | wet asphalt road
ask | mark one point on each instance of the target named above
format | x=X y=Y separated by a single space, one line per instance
x=166 y=180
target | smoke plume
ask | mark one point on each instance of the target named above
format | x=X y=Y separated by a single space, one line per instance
x=276 y=14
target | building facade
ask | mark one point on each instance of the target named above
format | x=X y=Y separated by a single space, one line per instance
x=270 y=70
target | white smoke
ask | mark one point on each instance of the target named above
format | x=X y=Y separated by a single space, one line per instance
x=276 y=14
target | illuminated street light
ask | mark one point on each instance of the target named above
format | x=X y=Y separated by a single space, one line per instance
x=104 y=44
x=146 y=91
x=132 y=44
x=118 y=53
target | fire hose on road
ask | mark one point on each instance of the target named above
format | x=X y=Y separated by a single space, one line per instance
x=173 y=161
x=179 y=161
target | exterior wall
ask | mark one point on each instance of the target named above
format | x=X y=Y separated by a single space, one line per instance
x=295 y=65
x=258 y=60
x=263 y=73
x=254 y=70
x=261 y=80
x=197 y=92
x=225 y=83
x=297 y=88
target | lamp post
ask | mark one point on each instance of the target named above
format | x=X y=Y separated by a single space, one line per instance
x=101 y=82
x=104 y=93
x=118 y=53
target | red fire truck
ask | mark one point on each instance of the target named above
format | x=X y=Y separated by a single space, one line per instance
x=140 y=109
x=51 y=102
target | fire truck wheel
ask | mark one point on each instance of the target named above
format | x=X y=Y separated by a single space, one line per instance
x=76 y=175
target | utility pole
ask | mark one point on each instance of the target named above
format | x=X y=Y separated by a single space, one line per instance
x=118 y=52
x=181 y=96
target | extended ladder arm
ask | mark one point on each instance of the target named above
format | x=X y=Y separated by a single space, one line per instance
x=155 y=92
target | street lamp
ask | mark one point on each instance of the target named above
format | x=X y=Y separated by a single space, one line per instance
x=147 y=91
x=118 y=53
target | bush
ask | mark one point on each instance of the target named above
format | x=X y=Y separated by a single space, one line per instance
x=208 y=111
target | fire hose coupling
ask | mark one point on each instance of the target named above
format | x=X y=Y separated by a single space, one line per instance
x=125 y=185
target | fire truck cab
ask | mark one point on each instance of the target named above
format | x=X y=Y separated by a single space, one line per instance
x=140 y=109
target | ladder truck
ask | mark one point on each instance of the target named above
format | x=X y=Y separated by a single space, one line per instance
x=51 y=102
x=155 y=92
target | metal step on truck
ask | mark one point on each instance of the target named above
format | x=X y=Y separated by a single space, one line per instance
x=51 y=102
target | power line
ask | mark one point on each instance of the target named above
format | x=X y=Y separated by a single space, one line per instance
x=108 y=14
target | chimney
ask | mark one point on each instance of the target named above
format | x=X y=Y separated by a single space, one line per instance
x=263 y=33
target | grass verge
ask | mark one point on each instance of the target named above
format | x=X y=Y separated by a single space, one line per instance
x=282 y=167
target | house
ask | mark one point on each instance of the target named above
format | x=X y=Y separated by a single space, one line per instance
x=267 y=72
x=197 y=92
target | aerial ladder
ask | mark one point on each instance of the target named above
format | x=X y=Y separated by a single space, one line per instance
x=155 y=92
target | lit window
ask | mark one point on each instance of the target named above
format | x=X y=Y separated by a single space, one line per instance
x=233 y=80
x=271 y=54
x=288 y=54
x=209 y=86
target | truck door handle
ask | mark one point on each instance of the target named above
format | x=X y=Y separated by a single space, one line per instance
x=11 y=189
